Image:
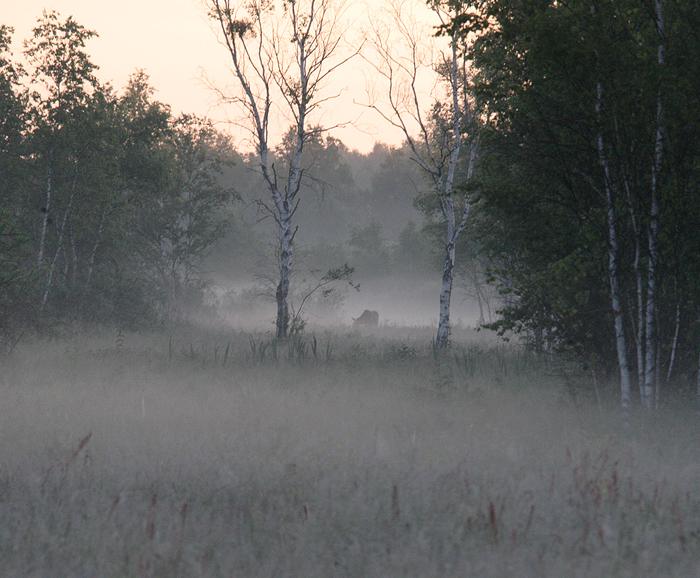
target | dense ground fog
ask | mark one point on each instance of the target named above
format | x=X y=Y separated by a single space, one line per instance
x=183 y=389
x=400 y=302
x=212 y=453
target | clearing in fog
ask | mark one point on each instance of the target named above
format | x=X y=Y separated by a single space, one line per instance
x=270 y=347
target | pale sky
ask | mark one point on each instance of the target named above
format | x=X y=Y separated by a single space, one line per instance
x=176 y=44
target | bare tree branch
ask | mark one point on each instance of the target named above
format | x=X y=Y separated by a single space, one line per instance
x=284 y=50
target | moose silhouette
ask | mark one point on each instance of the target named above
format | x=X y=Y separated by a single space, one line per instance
x=367 y=319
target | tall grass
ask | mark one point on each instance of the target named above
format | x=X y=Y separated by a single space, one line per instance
x=194 y=454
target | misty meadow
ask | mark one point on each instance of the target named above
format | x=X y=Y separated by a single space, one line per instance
x=246 y=347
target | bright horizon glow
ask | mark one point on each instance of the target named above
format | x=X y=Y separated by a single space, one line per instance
x=175 y=43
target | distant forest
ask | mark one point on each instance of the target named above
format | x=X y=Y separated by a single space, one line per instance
x=574 y=196
x=116 y=210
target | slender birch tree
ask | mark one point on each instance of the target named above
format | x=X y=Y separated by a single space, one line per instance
x=258 y=36
x=651 y=345
x=614 y=252
x=613 y=260
x=63 y=77
x=440 y=130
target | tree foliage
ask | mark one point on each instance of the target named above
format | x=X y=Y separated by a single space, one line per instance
x=542 y=203
x=109 y=201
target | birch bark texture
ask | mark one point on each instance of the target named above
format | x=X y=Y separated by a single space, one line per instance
x=613 y=260
x=438 y=128
x=282 y=52
x=654 y=216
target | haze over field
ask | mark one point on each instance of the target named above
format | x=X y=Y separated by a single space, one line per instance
x=305 y=288
x=361 y=465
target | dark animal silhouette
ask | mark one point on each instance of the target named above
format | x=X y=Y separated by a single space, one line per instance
x=367 y=319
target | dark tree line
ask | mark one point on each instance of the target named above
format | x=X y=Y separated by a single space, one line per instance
x=109 y=201
x=589 y=208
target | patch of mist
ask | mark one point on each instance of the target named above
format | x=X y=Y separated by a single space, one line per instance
x=400 y=302
x=361 y=463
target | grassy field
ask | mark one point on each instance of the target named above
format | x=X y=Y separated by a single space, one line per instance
x=205 y=453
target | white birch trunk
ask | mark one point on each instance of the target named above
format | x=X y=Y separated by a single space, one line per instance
x=285 y=269
x=60 y=241
x=443 y=332
x=47 y=209
x=258 y=55
x=66 y=260
x=52 y=267
x=287 y=203
x=651 y=338
x=447 y=204
x=640 y=316
x=613 y=267
x=616 y=303
x=657 y=375
x=674 y=344
x=74 y=259
x=650 y=344
x=639 y=286
x=95 y=247
x=437 y=156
